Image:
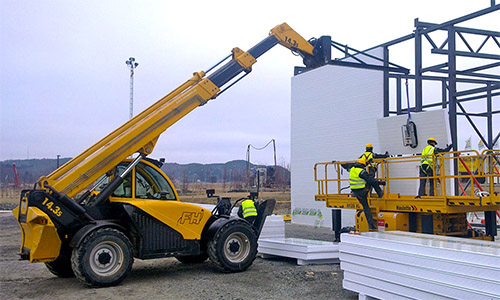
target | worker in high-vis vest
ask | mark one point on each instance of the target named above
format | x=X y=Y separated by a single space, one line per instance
x=427 y=165
x=369 y=156
x=360 y=181
x=248 y=210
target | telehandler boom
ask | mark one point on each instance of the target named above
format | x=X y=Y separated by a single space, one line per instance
x=92 y=216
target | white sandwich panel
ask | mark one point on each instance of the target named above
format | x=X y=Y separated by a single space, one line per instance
x=304 y=250
x=374 y=286
x=417 y=285
x=274 y=227
x=420 y=266
x=466 y=269
x=484 y=253
x=334 y=112
x=425 y=272
x=381 y=291
x=429 y=124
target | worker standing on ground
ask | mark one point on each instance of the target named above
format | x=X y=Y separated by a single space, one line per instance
x=427 y=165
x=248 y=211
x=360 y=182
x=369 y=156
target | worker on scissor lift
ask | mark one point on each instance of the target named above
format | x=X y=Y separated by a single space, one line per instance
x=360 y=182
x=427 y=165
x=369 y=156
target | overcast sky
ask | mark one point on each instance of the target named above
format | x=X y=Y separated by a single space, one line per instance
x=64 y=83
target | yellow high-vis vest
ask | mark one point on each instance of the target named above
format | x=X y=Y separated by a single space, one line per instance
x=369 y=156
x=249 y=209
x=427 y=156
x=355 y=181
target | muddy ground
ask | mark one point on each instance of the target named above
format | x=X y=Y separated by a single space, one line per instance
x=169 y=279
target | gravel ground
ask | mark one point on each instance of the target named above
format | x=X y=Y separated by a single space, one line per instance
x=168 y=279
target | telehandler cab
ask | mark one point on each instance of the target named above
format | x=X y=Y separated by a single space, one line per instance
x=92 y=216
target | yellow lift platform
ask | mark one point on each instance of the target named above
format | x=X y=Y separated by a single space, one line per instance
x=478 y=180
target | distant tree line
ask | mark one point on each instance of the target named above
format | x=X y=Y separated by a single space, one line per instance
x=28 y=170
x=232 y=175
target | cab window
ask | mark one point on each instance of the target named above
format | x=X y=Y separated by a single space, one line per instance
x=150 y=184
x=124 y=190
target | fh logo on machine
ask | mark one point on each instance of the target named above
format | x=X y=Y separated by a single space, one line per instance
x=189 y=217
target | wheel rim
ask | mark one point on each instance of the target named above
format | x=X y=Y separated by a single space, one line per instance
x=106 y=258
x=237 y=247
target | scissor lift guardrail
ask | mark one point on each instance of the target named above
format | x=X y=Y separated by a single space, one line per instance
x=481 y=194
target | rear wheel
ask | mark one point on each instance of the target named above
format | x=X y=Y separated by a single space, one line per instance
x=234 y=247
x=104 y=258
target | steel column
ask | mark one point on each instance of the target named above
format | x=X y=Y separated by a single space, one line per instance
x=489 y=106
x=418 y=67
x=452 y=89
x=398 y=95
x=386 y=81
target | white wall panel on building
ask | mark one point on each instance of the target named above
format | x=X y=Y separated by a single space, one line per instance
x=334 y=112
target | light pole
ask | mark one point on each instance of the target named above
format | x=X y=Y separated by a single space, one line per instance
x=132 y=65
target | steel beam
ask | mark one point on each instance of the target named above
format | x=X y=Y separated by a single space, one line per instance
x=467 y=54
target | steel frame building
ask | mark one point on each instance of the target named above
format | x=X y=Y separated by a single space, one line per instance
x=455 y=83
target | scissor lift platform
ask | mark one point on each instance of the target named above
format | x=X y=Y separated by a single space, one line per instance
x=480 y=194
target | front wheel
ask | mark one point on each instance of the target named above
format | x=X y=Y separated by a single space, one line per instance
x=234 y=247
x=61 y=267
x=104 y=258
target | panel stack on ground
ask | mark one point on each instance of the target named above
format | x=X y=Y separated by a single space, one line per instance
x=272 y=243
x=307 y=252
x=274 y=228
x=402 y=265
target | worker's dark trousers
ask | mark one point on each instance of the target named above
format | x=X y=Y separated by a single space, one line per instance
x=251 y=219
x=361 y=195
x=426 y=171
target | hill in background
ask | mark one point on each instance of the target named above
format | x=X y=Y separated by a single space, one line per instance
x=233 y=173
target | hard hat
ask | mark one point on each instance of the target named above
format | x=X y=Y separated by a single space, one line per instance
x=369 y=145
x=361 y=161
x=431 y=139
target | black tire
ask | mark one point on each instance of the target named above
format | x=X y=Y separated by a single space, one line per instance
x=192 y=259
x=234 y=247
x=61 y=267
x=104 y=258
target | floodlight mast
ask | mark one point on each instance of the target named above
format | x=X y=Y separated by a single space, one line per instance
x=132 y=64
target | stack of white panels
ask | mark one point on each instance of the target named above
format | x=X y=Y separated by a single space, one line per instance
x=403 y=265
x=306 y=252
x=274 y=227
